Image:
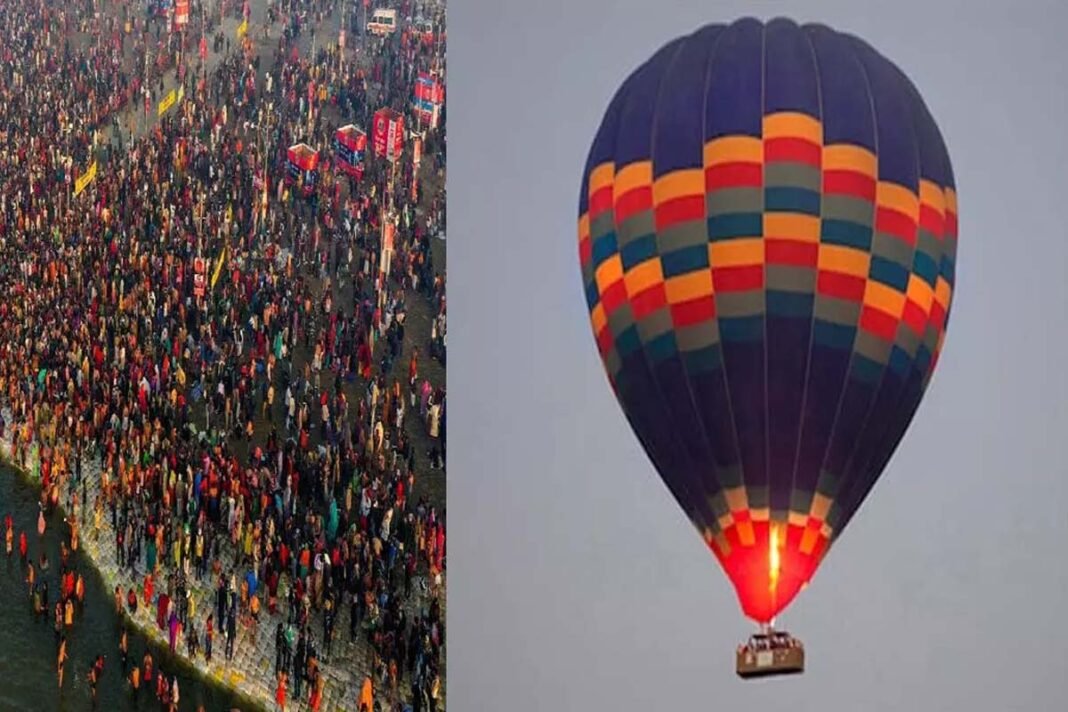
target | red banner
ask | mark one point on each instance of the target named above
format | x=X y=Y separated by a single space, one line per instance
x=380 y=131
x=181 y=12
x=387 y=134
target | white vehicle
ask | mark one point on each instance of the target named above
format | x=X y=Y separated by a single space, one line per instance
x=383 y=22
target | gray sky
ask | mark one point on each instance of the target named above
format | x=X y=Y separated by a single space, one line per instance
x=575 y=581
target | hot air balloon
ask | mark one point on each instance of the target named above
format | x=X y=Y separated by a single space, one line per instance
x=767 y=235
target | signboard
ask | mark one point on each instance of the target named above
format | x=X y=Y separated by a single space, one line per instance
x=171 y=98
x=302 y=167
x=379 y=131
x=428 y=99
x=181 y=12
x=391 y=139
x=350 y=144
x=85 y=179
x=388 y=134
x=168 y=102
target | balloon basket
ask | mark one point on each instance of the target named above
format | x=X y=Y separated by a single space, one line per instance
x=770 y=653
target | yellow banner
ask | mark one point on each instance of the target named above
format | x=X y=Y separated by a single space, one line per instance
x=242 y=28
x=85 y=179
x=218 y=267
x=168 y=102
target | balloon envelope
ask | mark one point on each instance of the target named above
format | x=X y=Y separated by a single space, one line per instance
x=767 y=234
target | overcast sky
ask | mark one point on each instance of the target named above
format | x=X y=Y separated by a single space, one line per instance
x=575 y=581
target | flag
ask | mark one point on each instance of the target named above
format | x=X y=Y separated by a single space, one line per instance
x=218 y=267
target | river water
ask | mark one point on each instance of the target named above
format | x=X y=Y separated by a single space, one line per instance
x=28 y=679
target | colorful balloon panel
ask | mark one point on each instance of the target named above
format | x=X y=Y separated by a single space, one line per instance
x=767 y=234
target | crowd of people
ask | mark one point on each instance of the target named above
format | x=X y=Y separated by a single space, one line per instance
x=255 y=435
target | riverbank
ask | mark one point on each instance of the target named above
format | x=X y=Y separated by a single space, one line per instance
x=251 y=671
x=28 y=656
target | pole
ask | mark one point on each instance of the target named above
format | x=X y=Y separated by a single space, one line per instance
x=381 y=265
